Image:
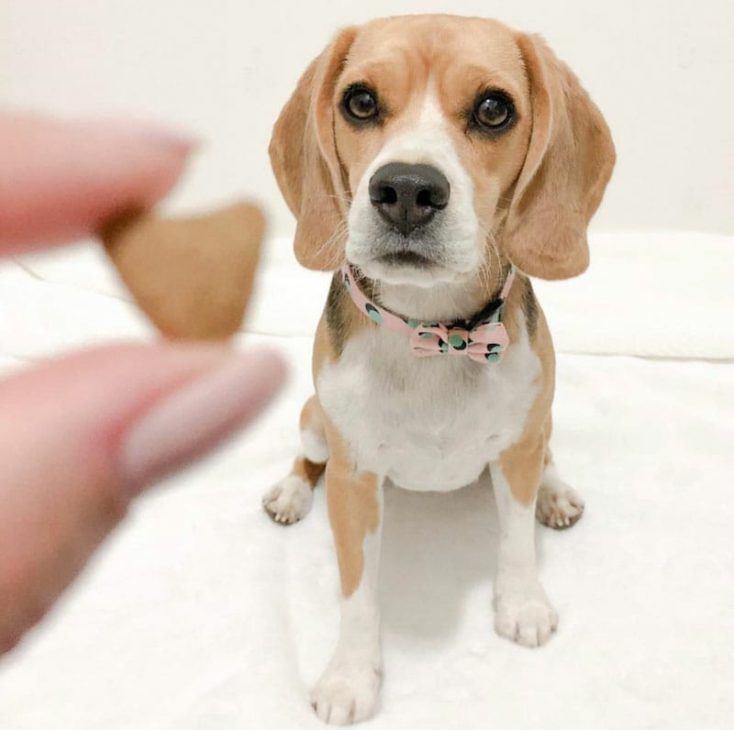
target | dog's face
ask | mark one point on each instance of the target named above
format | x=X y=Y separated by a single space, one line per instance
x=420 y=147
x=432 y=132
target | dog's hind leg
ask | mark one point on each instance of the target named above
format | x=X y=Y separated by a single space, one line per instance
x=559 y=505
x=290 y=499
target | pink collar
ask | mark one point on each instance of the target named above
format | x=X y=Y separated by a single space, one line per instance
x=483 y=338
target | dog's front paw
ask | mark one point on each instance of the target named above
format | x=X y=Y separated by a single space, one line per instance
x=347 y=692
x=524 y=614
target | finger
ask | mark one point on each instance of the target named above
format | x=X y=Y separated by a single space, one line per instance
x=79 y=438
x=62 y=180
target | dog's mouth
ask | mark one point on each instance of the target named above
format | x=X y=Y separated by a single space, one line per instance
x=407 y=258
x=406 y=267
x=429 y=255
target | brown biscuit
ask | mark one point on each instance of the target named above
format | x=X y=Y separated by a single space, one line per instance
x=192 y=277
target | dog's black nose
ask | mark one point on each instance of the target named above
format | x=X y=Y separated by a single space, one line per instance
x=408 y=196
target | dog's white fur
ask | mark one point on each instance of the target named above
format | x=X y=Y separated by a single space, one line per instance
x=426 y=425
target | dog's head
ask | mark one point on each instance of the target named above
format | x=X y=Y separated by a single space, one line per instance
x=417 y=146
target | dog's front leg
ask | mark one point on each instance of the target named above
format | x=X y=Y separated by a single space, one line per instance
x=347 y=691
x=523 y=612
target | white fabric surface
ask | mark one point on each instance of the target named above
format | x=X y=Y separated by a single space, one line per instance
x=202 y=614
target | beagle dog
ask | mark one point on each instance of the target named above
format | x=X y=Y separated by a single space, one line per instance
x=435 y=164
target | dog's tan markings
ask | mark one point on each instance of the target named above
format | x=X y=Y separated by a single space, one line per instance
x=311 y=420
x=523 y=462
x=311 y=415
x=522 y=465
x=548 y=459
x=354 y=510
x=307 y=470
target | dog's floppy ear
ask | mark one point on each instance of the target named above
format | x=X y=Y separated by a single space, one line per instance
x=568 y=165
x=304 y=159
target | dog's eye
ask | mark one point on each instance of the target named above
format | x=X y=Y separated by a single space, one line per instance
x=360 y=104
x=493 y=111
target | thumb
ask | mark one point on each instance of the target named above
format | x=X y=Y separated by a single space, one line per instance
x=80 y=437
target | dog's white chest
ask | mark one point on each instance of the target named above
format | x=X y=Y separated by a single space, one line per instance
x=426 y=423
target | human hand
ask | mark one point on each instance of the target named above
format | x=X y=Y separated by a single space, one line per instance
x=80 y=437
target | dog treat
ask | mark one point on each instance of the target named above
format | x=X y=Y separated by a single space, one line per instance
x=192 y=277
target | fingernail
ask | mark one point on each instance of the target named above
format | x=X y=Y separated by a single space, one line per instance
x=197 y=416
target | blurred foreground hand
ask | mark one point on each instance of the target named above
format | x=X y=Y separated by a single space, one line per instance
x=80 y=437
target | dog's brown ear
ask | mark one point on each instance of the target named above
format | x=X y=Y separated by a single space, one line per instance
x=568 y=165
x=304 y=159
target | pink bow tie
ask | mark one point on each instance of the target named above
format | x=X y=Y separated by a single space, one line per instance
x=483 y=343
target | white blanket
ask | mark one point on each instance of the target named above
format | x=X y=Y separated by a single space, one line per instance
x=202 y=614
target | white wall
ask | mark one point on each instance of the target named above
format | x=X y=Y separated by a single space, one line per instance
x=660 y=70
